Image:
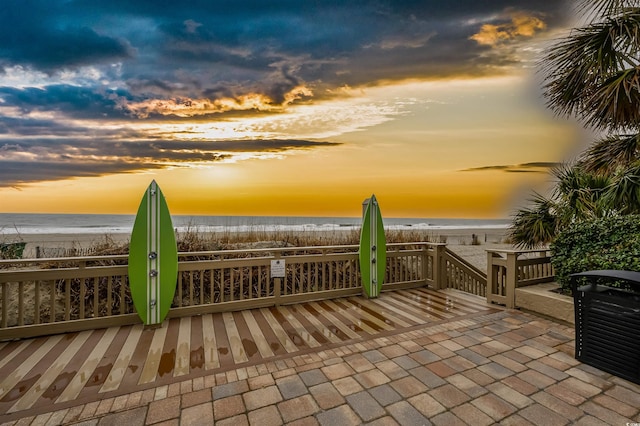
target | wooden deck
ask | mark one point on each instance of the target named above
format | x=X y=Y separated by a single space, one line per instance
x=43 y=374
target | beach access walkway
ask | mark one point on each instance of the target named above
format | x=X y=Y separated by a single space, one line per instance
x=415 y=356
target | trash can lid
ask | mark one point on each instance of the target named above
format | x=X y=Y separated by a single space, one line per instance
x=632 y=276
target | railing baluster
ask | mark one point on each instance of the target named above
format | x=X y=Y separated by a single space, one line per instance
x=212 y=290
x=3 y=320
x=124 y=285
x=180 y=275
x=331 y=284
x=21 y=303
x=232 y=285
x=301 y=278
x=67 y=299
x=190 y=288
x=259 y=281
x=202 y=287
x=96 y=311
x=36 y=308
x=109 y=295
x=52 y=301
x=82 y=295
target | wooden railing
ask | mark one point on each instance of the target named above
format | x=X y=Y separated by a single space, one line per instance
x=461 y=275
x=510 y=269
x=45 y=296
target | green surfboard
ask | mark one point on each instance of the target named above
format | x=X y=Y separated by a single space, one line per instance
x=373 y=249
x=153 y=258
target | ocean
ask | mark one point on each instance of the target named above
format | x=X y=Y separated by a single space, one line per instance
x=31 y=223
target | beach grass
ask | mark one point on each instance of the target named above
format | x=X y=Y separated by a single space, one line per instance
x=197 y=239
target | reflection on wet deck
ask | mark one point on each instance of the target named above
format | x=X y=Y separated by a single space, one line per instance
x=45 y=373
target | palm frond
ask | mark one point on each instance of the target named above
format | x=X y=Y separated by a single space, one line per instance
x=614 y=104
x=596 y=9
x=607 y=155
x=623 y=194
x=535 y=226
x=594 y=66
x=579 y=193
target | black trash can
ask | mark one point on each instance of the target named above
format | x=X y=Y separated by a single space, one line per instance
x=608 y=321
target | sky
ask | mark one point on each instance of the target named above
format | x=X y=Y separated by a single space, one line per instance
x=292 y=108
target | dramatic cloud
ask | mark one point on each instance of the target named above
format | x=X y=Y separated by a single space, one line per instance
x=71 y=70
x=31 y=160
x=520 y=25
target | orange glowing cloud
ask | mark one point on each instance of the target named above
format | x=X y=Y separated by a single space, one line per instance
x=186 y=107
x=521 y=25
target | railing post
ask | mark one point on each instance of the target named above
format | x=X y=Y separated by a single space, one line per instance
x=439 y=270
x=425 y=264
x=277 y=282
x=512 y=279
x=491 y=278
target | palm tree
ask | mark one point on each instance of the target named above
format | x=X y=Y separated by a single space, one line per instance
x=536 y=225
x=594 y=75
x=577 y=195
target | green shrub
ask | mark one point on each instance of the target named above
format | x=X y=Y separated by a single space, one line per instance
x=607 y=243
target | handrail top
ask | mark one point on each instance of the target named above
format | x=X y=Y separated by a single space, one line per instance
x=631 y=276
x=203 y=253
x=294 y=248
x=64 y=259
x=516 y=251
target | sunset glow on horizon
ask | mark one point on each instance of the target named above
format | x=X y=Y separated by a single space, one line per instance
x=437 y=111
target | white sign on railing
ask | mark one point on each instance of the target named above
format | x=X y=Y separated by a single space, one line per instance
x=277 y=268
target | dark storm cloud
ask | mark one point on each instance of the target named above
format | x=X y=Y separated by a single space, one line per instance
x=13 y=174
x=30 y=160
x=71 y=100
x=67 y=64
x=41 y=35
x=261 y=46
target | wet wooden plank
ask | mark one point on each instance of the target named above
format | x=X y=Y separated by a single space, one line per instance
x=326 y=332
x=302 y=331
x=150 y=369
x=183 y=348
x=269 y=333
x=396 y=315
x=14 y=352
x=357 y=318
x=377 y=315
x=25 y=367
x=31 y=396
x=424 y=305
x=122 y=362
x=235 y=341
x=86 y=370
x=334 y=321
x=282 y=336
x=258 y=337
x=211 y=359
